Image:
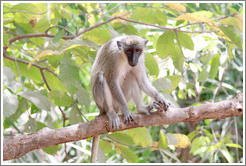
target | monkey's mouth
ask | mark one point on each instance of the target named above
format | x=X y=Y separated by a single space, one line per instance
x=132 y=64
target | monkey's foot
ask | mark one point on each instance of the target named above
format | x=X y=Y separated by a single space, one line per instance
x=163 y=104
x=128 y=119
x=115 y=123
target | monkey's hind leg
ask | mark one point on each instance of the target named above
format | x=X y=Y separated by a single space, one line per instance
x=114 y=120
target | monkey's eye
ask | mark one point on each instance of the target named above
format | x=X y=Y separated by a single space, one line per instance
x=137 y=50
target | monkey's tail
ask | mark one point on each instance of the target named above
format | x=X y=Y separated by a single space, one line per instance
x=94 y=149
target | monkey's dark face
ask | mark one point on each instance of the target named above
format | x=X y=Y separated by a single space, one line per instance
x=133 y=53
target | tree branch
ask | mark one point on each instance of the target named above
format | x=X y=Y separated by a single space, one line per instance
x=19 y=145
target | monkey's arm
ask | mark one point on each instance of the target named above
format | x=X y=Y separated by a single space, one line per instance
x=151 y=91
x=118 y=95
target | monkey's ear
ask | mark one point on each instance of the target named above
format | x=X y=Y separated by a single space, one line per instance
x=145 y=42
x=119 y=44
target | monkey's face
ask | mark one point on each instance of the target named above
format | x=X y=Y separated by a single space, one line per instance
x=132 y=53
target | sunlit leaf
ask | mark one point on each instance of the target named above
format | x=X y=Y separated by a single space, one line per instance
x=98 y=35
x=177 y=6
x=41 y=55
x=141 y=136
x=239 y=19
x=122 y=137
x=194 y=17
x=60 y=98
x=52 y=149
x=128 y=154
x=165 y=44
x=106 y=146
x=230 y=33
x=185 y=40
x=149 y=15
x=215 y=63
x=163 y=143
x=151 y=64
x=69 y=74
x=163 y=84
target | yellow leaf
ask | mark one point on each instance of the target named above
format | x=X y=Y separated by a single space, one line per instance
x=239 y=19
x=194 y=17
x=42 y=54
x=155 y=146
x=177 y=6
x=122 y=14
x=184 y=141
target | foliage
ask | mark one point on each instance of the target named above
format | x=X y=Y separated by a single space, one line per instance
x=194 y=55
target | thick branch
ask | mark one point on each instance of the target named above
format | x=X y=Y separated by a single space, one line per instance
x=19 y=145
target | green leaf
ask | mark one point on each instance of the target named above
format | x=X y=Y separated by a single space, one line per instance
x=106 y=146
x=40 y=125
x=122 y=137
x=54 y=82
x=41 y=101
x=10 y=104
x=163 y=143
x=178 y=58
x=230 y=33
x=151 y=64
x=197 y=144
x=203 y=75
x=83 y=97
x=193 y=134
x=69 y=74
x=33 y=73
x=215 y=63
x=99 y=36
x=175 y=81
x=9 y=78
x=149 y=15
x=163 y=84
x=29 y=9
x=22 y=107
x=42 y=25
x=185 y=41
x=227 y=155
x=126 y=29
x=52 y=149
x=31 y=125
x=72 y=44
x=75 y=116
x=60 y=98
x=129 y=155
x=234 y=145
x=141 y=136
x=58 y=36
x=165 y=44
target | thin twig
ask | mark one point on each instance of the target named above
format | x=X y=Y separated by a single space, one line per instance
x=60 y=27
x=26 y=62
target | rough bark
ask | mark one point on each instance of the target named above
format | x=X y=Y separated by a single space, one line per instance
x=19 y=145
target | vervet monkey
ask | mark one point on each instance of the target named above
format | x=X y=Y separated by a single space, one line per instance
x=118 y=75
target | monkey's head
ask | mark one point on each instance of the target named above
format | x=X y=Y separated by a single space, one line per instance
x=133 y=47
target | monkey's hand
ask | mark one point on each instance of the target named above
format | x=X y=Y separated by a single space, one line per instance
x=161 y=103
x=127 y=117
